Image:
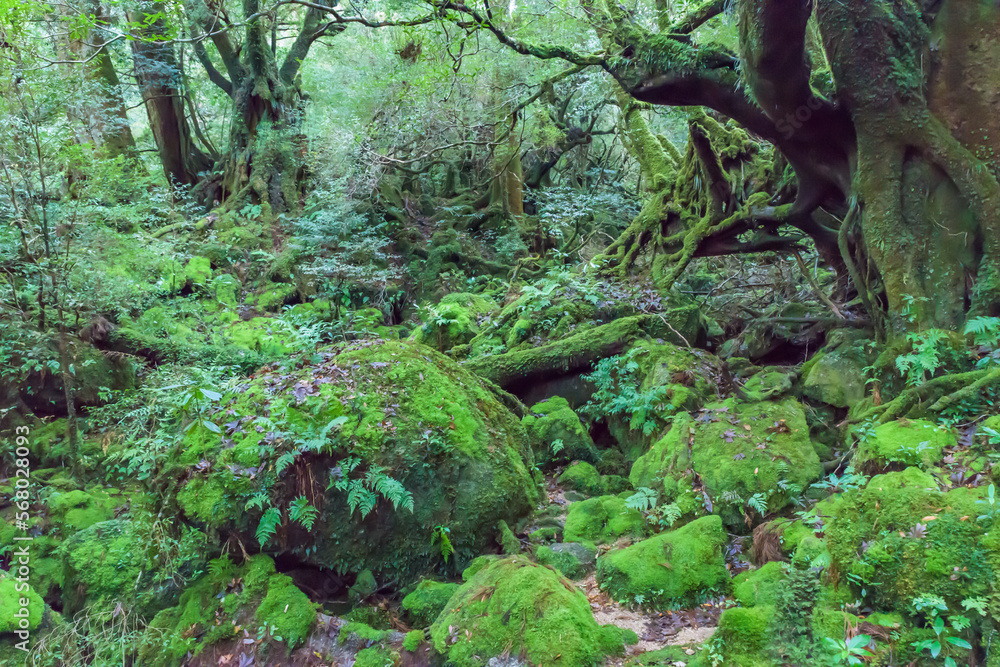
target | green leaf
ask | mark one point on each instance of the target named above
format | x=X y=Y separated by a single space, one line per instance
x=958 y=641
x=268 y=525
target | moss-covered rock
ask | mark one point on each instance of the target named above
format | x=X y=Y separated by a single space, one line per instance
x=760 y=586
x=213 y=608
x=76 y=510
x=669 y=570
x=769 y=383
x=911 y=538
x=21 y=608
x=573 y=559
x=424 y=604
x=198 y=272
x=103 y=562
x=560 y=434
x=582 y=477
x=515 y=607
x=395 y=435
x=906 y=441
x=602 y=520
x=837 y=377
x=744 y=635
x=739 y=450
x=273 y=297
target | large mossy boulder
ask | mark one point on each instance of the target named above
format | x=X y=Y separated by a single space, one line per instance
x=760 y=586
x=900 y=537
x=670 y=570
x=559 y=433
x=740 y=451
x=905 y=442
x=602 y=520
x=515 y=607
x=388 y=440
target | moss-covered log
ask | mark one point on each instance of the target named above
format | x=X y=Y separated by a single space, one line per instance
x=578 y=352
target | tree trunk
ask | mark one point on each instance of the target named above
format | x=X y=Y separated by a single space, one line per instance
x=896 y=169
x=101 y=121
x=930 y=206
x=159 y=79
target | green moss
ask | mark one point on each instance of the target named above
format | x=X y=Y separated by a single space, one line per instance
x=260 y=334
x=572 y=559
x=554 y=424
x=373 y=615
x=212 y=608
x=426 y=601
x=401 y=407
x=21 y=608
x=226 y=289
x=274 y=296
x=508 y=540
x=518 y=333
x=478 y=563
x=738 y=450
x=287 y=611
x=76 y=510
x=837 y=378
x=456 y=320
x=104 y=561
x=198 y=271
x=909 y=442
x=513 y=606
x=376 y=656
x=582 y=477
x=361 y=631
x=744 y=633
x=602 y=520
x=874 y=537
x=669 y=570
x=769 y=383
x=760 y=586
x=364 y=586
x=413 y=640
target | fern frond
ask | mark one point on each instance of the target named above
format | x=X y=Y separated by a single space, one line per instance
x=268 y=525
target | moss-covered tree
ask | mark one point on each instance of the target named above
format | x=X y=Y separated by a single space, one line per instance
x=895 y=173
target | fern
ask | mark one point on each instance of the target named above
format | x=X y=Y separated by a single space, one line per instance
x=925 y=358
x=256 y=500
x=668 y=514
x=221 y=569
x=285 y=460
x=985 y=331
x=268 y=525
x=643 y=500
x=440 y=536
x=358 y=497
x=363 y=493
x=301 y=512
x=758 y=502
